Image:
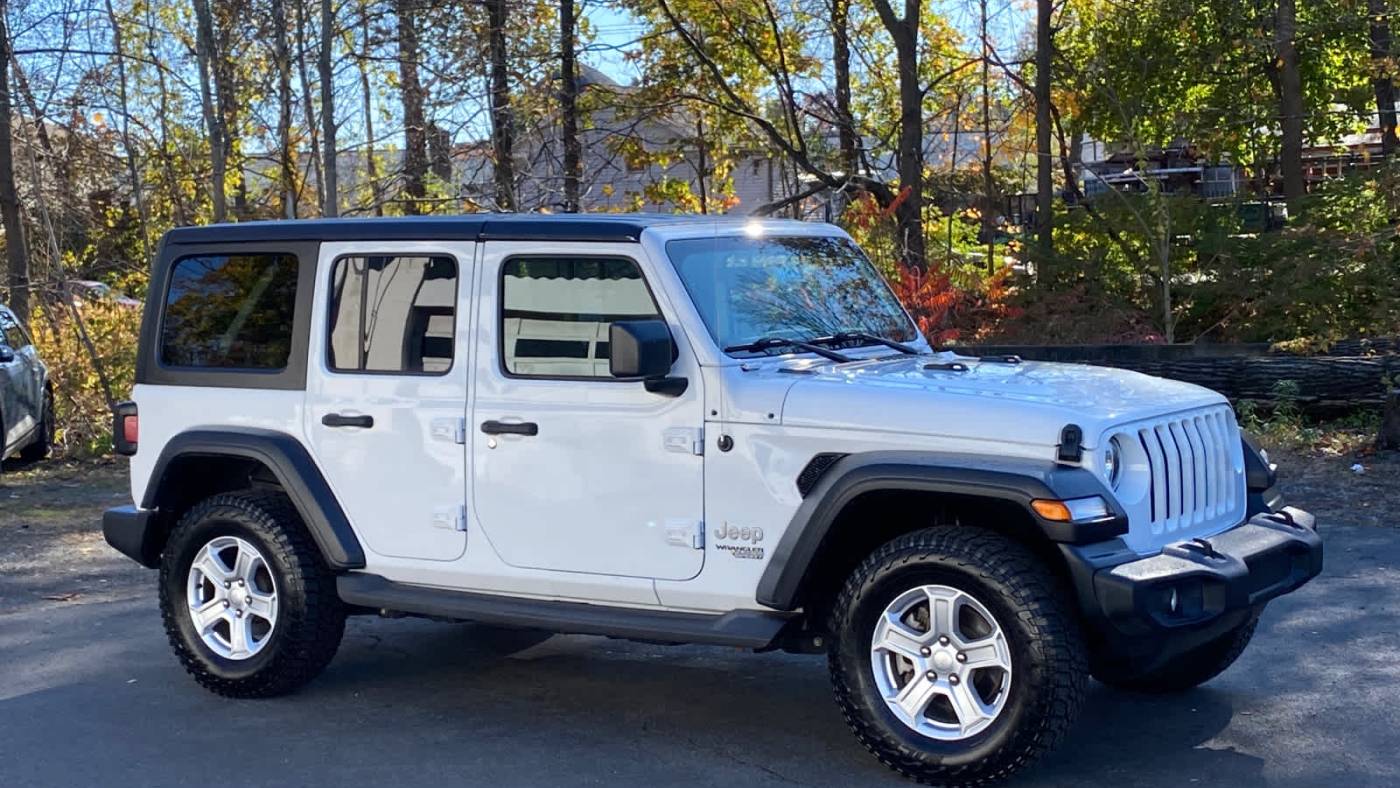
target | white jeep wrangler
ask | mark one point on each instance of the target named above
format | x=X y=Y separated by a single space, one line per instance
x=678 y=430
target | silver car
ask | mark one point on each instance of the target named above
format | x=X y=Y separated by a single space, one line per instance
x=26 y=402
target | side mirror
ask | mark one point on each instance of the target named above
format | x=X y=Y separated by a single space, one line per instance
x=6 y=354
x=639 y=349
x=642 y=349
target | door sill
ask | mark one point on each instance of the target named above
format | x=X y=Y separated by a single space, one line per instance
x=756 y=629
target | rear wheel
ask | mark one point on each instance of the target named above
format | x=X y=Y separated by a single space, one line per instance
x=1189 y=670
x=249 y=605
x=42 y=444
x=954 y=657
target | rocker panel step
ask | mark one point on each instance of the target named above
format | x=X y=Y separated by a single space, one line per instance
x=754 y=629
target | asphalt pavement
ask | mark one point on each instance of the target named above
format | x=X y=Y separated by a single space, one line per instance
x=90 y=695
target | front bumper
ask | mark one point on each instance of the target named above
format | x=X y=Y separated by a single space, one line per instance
x=1196 y=590
x=135 y=533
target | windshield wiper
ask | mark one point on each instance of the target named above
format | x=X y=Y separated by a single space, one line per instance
x=769 y=343
x=860 y=336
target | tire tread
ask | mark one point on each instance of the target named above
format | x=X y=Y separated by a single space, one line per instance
x=311 y=632
x=1039 y=603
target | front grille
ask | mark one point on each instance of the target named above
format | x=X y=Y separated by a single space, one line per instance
x=1193 y=479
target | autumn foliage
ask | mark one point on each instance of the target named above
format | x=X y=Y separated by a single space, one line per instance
x=80 y=404
x=951 y=301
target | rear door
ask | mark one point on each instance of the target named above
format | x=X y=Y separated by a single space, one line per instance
x=386 y=391
x=578 y=471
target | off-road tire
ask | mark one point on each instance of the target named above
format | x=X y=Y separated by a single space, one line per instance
x=311 y=617
x=1050 y=666
x=1189 y=670
x=43 y=442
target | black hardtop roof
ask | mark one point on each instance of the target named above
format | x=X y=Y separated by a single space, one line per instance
x=465 y=227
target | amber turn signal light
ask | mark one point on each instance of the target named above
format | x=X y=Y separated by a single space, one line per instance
x=1051 y=510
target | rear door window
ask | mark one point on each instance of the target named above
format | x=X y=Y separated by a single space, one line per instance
x=231 y=311
x=392 y=314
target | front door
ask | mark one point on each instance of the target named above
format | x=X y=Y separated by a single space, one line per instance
x=572 y=469
x=387 y=391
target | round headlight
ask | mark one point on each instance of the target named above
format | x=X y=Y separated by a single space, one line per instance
x=1113 y=462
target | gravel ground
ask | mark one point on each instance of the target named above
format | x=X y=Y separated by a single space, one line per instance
x=89 y=692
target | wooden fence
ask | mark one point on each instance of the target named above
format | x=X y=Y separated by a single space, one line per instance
x=1352 y=375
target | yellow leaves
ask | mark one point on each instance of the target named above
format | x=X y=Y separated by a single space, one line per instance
x=81 y=406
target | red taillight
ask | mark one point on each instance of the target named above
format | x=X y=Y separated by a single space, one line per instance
x=126 y=428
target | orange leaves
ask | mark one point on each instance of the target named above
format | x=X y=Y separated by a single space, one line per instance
x=946 y=311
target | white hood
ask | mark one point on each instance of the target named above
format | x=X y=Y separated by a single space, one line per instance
x=1028 y=402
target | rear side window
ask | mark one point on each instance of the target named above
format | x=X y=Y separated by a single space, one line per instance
x=556 y=312
x=393 y=314
x=230 y=312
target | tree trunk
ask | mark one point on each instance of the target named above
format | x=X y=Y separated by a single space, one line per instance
x=909 y=158
x=1044 y=159
x=568 y=106
x=841 y=60
x=228 y=109
x=307 y=105
x=16 y=252
x=281 y=54
x=203 y=48
x=1389 y=435
x=953 y=166
x=911 y=150
x=1381 y=81
x=702 y=164
x=133 y=168
x=371 y=166
x=1290 y=104
x=502 y=121
x=63 y=170
x=989 y=202
x=330 y=198
x=415 y=156
x=167 y=155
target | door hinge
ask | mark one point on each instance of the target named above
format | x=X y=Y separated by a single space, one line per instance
x=454 y=430
x=686 y=533
x=450 y=518
x=685 y=440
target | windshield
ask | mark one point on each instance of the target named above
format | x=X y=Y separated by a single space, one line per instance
x=794 y=288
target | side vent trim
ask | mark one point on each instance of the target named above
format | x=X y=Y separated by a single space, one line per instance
x=815 y=469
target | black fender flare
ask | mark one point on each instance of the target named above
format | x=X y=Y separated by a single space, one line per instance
x=1262 y=495
x=289 y=461
x=1007 y=479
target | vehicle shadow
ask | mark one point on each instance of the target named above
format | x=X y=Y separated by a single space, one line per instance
x=773 y=710
x=91 y=693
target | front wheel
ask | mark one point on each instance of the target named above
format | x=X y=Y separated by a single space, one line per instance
x=955 y=658
x=249 y=605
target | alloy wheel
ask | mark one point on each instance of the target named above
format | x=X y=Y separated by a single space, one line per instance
x=232 y=598
x=941 y=662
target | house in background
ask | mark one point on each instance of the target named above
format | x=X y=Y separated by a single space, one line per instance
x=614 y=177
x=1180 y=168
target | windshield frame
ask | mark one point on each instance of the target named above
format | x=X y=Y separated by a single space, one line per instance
x=914 y=338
